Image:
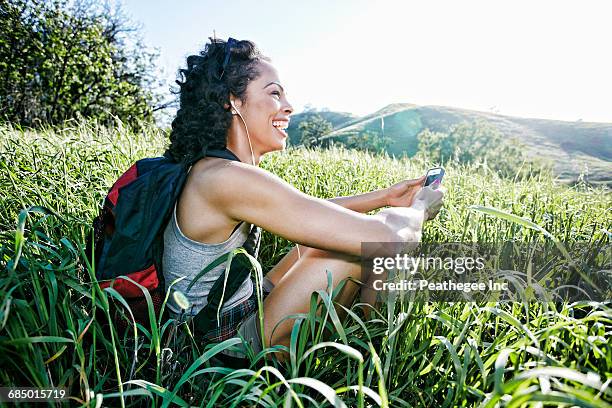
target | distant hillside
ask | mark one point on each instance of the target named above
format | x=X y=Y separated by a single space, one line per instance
x=337 y=119
x=574 y=148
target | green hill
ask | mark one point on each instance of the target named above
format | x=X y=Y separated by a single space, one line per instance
x=574 y=148
x=337 y=119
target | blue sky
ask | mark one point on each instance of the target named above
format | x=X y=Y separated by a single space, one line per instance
x=546 y=59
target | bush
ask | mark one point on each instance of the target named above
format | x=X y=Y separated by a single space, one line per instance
x=313 y=129
x=65 y=59
x=368 y=140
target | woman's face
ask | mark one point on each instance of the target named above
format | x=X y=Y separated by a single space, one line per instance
x=266 y=105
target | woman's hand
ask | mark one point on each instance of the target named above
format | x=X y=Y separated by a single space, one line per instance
x=402 y=194
x=430 y=199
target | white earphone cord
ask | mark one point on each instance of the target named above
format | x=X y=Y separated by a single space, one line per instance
x=247 y=132
x=253 y=159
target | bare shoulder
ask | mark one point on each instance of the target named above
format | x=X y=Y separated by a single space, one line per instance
x=224 y=175
x=224 y=184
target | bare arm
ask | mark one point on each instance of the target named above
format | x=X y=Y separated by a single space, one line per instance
x=362 y=203
x=398 y=195
x=259 y=197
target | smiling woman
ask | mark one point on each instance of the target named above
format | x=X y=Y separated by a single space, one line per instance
x=204 y=117
x=233 y=110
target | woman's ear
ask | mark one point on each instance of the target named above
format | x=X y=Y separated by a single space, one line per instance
x=226 y=106
x=237 y=101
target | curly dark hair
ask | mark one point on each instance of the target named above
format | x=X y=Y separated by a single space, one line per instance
x=202 y=120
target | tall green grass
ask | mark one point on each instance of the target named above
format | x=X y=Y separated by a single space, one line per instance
x=56 y=328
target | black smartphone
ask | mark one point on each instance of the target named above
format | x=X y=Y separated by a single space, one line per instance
x=437 y=173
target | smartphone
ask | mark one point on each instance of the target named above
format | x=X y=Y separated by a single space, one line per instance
x=437 y=173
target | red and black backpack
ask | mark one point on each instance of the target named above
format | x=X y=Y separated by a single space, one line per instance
x=127 y=237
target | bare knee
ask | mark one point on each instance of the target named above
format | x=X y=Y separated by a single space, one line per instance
x=292 y=294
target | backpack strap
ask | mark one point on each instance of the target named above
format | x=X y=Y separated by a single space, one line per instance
x=239 y=270
x=222 y=153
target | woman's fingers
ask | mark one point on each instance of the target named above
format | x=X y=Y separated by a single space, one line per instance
x=402 y=194
x=417 y=181
x=435 y=208
x=432 y=200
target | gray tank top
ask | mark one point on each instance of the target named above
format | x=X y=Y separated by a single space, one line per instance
x=186 y=257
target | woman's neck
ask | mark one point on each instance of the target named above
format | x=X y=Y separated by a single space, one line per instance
x=238 y=143
x=244 y=153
